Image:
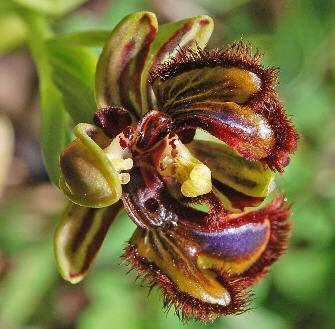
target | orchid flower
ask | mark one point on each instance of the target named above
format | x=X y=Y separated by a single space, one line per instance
x=187 y=140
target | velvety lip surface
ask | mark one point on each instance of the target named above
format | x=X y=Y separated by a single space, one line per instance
x=233 y=242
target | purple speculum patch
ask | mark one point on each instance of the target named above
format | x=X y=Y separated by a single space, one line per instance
x=235 y=241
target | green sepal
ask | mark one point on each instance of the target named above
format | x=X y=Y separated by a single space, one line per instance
x=78 y=238
x=117 y=79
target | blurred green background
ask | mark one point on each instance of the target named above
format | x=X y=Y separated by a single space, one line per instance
x=299 y=37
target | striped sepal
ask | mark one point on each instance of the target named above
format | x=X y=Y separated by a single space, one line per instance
x=121 y=62
x=78 y=238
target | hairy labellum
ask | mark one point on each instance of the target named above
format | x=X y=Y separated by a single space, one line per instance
x=188 y=141
x=229 y=94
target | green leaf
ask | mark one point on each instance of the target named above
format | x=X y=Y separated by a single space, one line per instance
x=50 y=7
x=73 y=74
x=302 y=275
x=78 y=238
x=55 y=130
x=80 y=39
x=31 y=277
x=115 y=300
x=122 y=60
x=170 y=39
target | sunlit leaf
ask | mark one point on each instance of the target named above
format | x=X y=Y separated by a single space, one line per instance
x=13 y=32
x=80 y=39
x=55 y=130
x=73 y=74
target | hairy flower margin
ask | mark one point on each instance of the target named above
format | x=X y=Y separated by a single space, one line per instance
x=187 y=140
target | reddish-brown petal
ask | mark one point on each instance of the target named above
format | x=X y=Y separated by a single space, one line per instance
x=112 y=120
x=149 y=201
x=232 y=96
x=151 y=129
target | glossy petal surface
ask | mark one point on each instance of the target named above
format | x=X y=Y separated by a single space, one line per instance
x=203 y=271
x=167 y=263
x=229 y=94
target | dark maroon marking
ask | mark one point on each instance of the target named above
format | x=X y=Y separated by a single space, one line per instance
x=152 y=128
x=187 y=135
x=126 y=53
x=238 y=199
x=86 y=224
x=112 y=120
x=151 y=205
x=204 y=22
x=128 y=132
x=107 y=219
x=123 y=143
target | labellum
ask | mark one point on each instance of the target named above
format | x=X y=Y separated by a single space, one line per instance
x=188 y=141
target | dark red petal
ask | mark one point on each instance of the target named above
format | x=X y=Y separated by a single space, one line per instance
x=152 y=128
x=148 y=201
x=112 y=120
x=231 y=95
